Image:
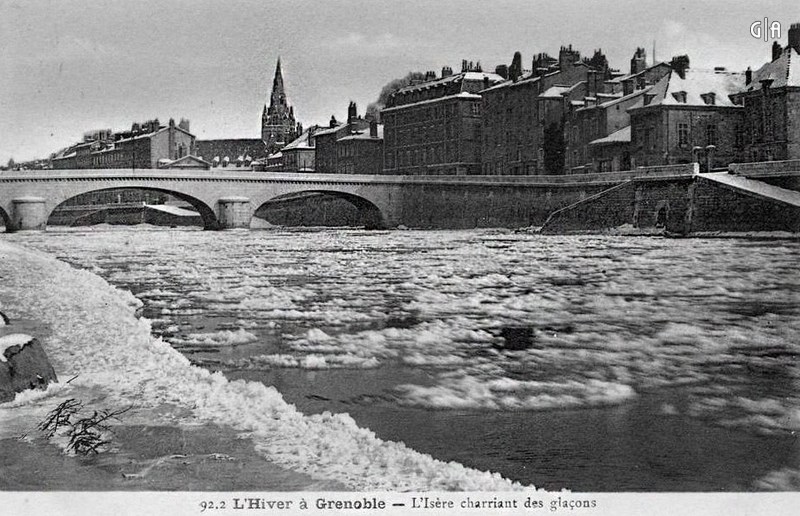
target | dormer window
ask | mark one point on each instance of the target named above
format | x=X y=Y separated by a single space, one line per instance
x=648 y=98
x=680 y=96
x=709 y=98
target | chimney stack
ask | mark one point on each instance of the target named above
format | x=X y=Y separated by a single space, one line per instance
x=373 y=128
x=748 y=76
x=777 y=50
x=794 y=37
x=446 y=71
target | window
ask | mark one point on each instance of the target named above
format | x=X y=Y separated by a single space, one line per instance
x=711 y=134
x=683 y=135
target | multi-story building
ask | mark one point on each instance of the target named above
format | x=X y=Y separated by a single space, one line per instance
x=771 y=101
x=523 y=116
x=147 y=145
x=299 y=155
x=278 y=125
x=688 y=116
x=361 y=151
x=351 y=143
x=603 y=113
x=434 y=127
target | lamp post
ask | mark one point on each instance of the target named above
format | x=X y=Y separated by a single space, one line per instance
x=710 y=149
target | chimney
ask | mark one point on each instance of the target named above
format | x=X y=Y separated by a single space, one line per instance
x=777 y=50
x=627 y=87
x=502 y=71
x=311 y=131
x=430 y=75
x=485 y=82
x=333 y=121
x=352 y=112
x=680 y=64
x=373 y=128
x=446 y=71
x=748 y=76
x=794 y=37
x=183 y=124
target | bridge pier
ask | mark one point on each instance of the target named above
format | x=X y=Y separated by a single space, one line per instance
x=234 y=212
x=28 y=214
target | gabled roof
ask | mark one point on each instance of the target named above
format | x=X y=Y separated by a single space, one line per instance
x=189 y=161
x=672 y=90
x=299 y=143
x=621 y=136
x=620 y=78
x=784 y=71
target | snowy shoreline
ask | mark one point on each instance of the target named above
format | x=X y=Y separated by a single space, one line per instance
x=96 y=336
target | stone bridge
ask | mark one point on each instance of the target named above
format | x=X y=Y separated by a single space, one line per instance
x=228 y=199
x=224 y=201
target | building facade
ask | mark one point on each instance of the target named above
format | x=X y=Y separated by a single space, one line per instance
x=688 y=116
x=147 y=145
x=278 y=125
x=523 y=116
x=434 y=127
x=771 y=102
x=349 y=148
x=599 y=125
x=239 y=152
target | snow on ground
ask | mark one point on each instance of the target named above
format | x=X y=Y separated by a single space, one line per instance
x=96 y=336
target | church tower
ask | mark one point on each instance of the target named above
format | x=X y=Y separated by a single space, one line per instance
x=278 y=125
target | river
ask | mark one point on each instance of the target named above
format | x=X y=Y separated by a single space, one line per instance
x=592 y=363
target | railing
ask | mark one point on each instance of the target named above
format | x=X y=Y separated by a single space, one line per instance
x=766 y=168
x=668 y=171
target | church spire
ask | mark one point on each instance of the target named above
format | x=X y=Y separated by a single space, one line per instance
x=278 y=124
x=278 y=97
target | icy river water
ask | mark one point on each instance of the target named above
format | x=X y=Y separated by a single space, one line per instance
x=590 y=363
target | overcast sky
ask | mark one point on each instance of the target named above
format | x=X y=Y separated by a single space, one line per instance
x=67 y=67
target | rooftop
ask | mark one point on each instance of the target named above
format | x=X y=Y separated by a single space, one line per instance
x=621 y=136
x=697 y=88
x=784 y=71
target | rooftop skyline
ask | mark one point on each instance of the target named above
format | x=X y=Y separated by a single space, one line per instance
x=70 y=67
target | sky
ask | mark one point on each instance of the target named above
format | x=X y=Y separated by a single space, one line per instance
x=68 y=67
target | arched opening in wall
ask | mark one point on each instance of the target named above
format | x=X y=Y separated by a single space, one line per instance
x=130 y=206
x=5 y=221
x=318 y=208
x=662 y=216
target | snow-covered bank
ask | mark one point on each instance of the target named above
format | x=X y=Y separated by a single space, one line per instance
x=96 y=336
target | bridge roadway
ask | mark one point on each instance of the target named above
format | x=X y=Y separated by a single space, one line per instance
x=228 y=200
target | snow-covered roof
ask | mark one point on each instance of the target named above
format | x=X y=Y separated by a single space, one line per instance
x=672 y=90
x=328 y=130
x=621 y=136
x=620 y=78
x=299 y=143
x=784 y=71
x=554 y=92
x=462 y=95
x=459 y=77
x=364 y=135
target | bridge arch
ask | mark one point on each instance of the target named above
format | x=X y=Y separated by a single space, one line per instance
x=206 y=212
x=368 y=212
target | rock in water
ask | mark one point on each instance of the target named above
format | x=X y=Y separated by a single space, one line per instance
x=23 y=365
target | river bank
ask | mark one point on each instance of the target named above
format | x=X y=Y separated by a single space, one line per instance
x=211 y=433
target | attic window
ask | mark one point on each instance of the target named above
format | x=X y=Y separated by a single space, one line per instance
x=680 y=96
x=709 y=98
x=648 y=98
